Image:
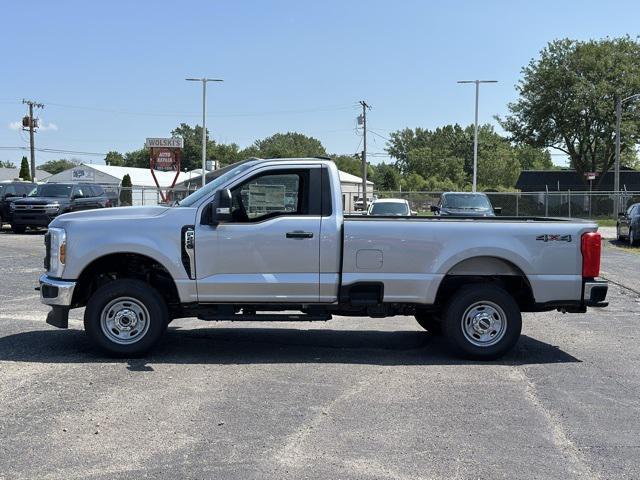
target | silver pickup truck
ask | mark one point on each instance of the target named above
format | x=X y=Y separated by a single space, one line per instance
x=266 y=238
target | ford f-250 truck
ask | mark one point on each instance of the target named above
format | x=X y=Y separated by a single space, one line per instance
x=268 y=237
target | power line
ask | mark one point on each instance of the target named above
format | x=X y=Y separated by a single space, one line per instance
x=54 y=150
x=329 y=108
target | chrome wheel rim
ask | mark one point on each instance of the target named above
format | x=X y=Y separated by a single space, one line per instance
x=124 y=320
x=484 y=324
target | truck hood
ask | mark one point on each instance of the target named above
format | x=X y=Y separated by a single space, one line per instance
x=109 y=214
x=40 y=200
x=466 y=212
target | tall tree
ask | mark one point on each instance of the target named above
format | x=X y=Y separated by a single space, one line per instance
x=114 y=159
x=444 y=156
x=385 y=177
x=24 y=170
x=126 y=193
x=57 y=166
x=286 y=145
x=568 y=97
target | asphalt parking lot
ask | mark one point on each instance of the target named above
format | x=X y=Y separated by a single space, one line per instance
x=350 y=398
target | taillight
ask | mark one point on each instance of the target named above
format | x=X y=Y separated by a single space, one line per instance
x=591 y=246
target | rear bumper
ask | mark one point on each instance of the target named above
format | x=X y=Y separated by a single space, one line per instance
x=594 y=292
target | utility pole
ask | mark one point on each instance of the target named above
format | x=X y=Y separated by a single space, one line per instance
x=365 y=107
x=31 y=123
x=204 y=81
x=475 y=131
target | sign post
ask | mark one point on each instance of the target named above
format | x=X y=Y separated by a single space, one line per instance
x=165 y=157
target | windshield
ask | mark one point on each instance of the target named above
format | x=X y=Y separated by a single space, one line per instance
x=395 y=208
x=221 y=177
x=466 y=200
x=51 y=190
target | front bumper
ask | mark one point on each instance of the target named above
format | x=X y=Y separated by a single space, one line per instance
x=36 y=219
x=56 y=292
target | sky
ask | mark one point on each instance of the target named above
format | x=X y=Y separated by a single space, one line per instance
x=113 y=73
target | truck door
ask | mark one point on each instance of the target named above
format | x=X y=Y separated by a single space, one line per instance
x=270 y=251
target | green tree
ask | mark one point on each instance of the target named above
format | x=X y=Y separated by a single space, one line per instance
x=7 y=164
x=385 y=177
x=24 y=170
x=114 y=159
x=137 y=158
x=349 y=164
x=287 y=145
x=413 y=182
x=568 y=97
x=126 y=194
x=57 y=166
x=531 y=158
x=444 y=156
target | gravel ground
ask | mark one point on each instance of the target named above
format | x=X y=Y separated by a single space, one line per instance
x=350 y=398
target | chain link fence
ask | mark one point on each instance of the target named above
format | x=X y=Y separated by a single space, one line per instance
x=519 y=204
x=539 y=204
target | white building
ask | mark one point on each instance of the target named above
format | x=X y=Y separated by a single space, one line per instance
x=144 y=189
x=352 y=189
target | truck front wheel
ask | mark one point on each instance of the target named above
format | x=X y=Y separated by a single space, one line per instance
x=126 y=318
x=482 y=321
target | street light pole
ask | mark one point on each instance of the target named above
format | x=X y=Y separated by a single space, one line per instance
x=475 y=129
x=204 y=81
x=616 y=170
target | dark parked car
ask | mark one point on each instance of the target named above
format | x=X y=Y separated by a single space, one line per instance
x=49 y=200
x=9 y=193
x=628 y=225
x=465 y=204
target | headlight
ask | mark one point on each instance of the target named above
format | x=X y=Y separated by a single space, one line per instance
x=57 y=251
x=52 y=208
x=12 y=207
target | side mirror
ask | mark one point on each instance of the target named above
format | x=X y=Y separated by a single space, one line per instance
x=414 y=213
x=435 y=208
x=75 y=197
x=497 y=210
x=622 y=214
x=220 y=208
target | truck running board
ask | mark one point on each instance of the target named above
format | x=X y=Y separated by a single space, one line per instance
x=267 y=317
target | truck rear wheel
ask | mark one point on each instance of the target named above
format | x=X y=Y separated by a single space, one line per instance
x=482 y=321
x=126 y=318
x=430 y=322
x=18 y=228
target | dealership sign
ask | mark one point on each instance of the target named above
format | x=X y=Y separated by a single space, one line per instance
x=164 y=157
x=82 y=174
x=174 y=142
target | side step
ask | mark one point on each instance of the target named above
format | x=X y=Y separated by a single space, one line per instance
x=267 y=317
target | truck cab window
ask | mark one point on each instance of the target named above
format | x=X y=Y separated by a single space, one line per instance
x=270 y=195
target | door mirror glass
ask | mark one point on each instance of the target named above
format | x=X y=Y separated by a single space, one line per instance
x=497 y=210
x=434 y=208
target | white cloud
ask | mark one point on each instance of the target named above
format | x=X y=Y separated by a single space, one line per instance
x=43 y=126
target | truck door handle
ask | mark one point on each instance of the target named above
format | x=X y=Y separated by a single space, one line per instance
x=299 y=234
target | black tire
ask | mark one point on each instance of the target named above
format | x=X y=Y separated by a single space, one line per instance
x=430 y=322
x=142 y=298
x=490 y=303
x=633 y=238
x=18 y=228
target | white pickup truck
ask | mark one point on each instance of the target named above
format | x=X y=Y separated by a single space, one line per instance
x=265 y=238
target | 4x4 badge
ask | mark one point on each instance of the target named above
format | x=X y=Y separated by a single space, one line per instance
x=553 y=238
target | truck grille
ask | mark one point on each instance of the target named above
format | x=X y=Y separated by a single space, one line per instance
x=47 y=249
x=30 y=208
